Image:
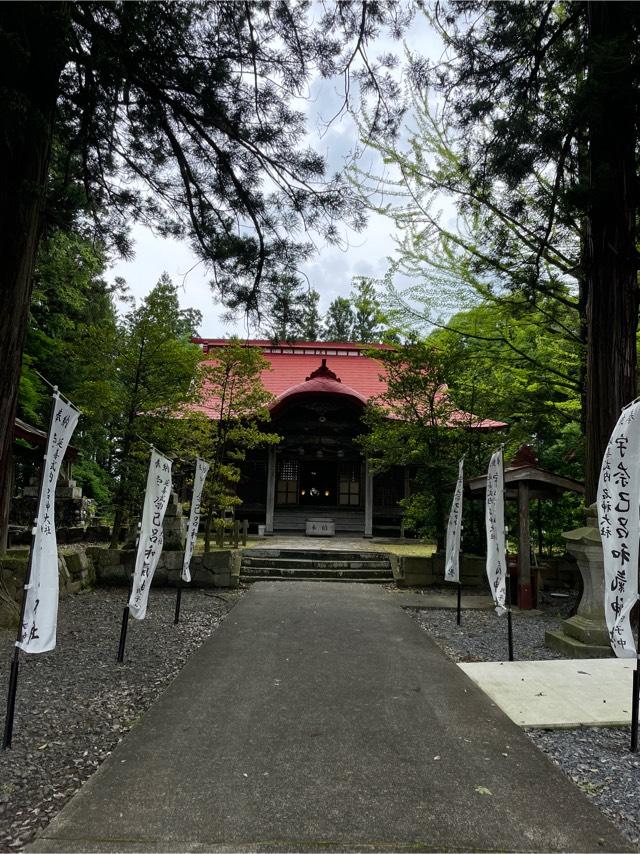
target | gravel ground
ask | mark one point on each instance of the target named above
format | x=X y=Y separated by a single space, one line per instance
x=76 y=703
x=483 y=634
x=597 y=759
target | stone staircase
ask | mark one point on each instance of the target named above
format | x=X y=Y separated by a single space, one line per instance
x=314 y=565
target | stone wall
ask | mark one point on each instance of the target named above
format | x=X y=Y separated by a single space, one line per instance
x=556 y=574
x=220 y=568
x=411 y=571
x=75 y=572
x=83 y=568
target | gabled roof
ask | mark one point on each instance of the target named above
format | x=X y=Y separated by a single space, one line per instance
x=296 y=369
x=34 y=436
x=291 y=364
x=524 y=468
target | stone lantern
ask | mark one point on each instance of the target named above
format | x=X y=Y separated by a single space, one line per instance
x=585 y=635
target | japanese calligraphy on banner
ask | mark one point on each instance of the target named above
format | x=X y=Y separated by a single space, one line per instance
x=496 y=541
x=202 y=469
x=452 y=554
x=150 y=546
x=38 y=631
x=618 y=508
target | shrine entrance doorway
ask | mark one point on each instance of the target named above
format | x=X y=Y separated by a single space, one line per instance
x=318 y=483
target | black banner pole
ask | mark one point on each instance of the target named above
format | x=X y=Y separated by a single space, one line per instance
x=459 y=603
x=509 y=623
x=123 y=633
x=507 y=579
x=635 y=687
x=15 y=663
x=176 y=618
x=634 y=699
x=11 y=701
x=634 y=711
x=125 y=624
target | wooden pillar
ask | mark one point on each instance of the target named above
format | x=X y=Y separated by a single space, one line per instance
x=525 y=593
x=368 y=499
x=271 y=490
x=539 y=526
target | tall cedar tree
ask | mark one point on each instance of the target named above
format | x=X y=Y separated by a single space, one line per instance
x=284 y=315
x=339 y=320
x=368 y=319
x=180 y=115
x=312 y=321
x=155 y=372
x=552 y=89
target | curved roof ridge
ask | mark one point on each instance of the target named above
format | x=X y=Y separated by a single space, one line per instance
x=319 y=382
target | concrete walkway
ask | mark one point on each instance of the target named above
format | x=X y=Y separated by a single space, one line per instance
x=321 y=717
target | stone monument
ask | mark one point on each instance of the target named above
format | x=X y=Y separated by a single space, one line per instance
x=174 y=527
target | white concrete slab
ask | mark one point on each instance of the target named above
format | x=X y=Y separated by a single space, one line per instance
x=558 y=694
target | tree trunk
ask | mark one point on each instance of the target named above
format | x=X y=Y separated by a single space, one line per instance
x=207 y=531
x=119 y=503
x=32 y=55
x=612 y=298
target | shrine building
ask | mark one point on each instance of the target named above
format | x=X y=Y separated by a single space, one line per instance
x=318 y=470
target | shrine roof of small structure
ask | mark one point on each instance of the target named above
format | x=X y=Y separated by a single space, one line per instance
x=351 y=370
x=34 y=436
x=524 y=468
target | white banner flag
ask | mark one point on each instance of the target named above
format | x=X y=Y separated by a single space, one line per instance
x=150 y=546
x=618 y=507
x=452 y=559
x=202 y=469
x=496 y=541
x=38 y=631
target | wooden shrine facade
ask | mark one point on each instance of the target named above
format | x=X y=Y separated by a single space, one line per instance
x=319 y=469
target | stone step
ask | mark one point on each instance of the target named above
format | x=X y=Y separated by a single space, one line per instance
x=329 y=574
x=250 y=579
x=586 y=631
x=313 y=563
x=571 y=647
x=315 y=554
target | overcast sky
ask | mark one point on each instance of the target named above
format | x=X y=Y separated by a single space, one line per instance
x=331 y=270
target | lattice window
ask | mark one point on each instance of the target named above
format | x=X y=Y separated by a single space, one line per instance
x=288 y=470
x=287 y=487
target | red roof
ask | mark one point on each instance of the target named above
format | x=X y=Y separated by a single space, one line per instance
x=295 y=370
